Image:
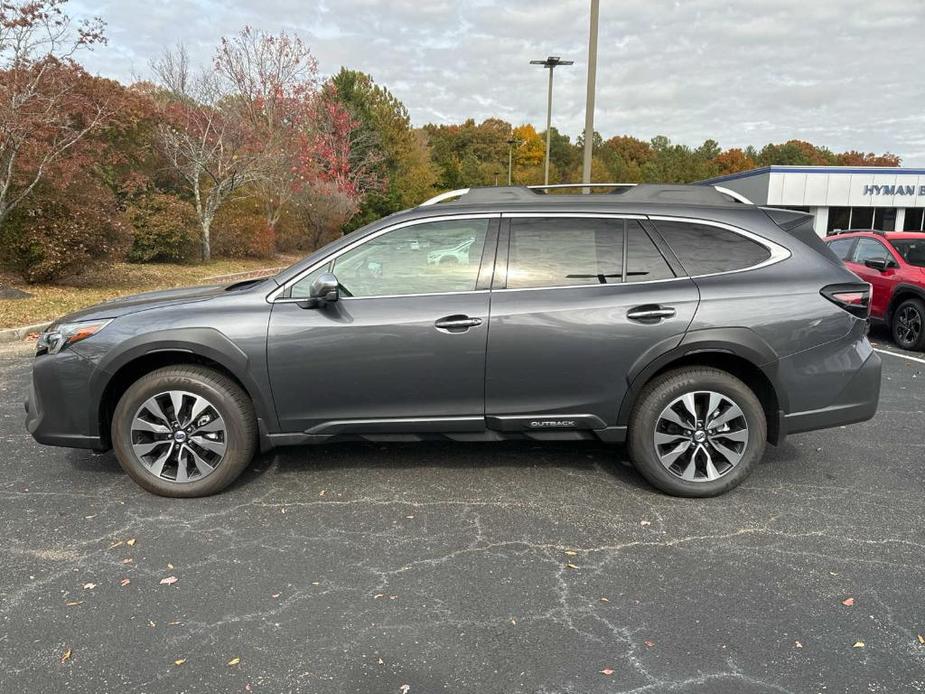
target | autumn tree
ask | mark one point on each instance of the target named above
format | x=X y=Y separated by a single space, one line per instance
x=275 y=80
x=854 y=158
x=732 y=161
x=206 y=137
x=46 y=107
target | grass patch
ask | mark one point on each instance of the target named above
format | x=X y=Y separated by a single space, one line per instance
x=50 y=301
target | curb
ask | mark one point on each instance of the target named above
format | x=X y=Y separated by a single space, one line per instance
x=16 y=334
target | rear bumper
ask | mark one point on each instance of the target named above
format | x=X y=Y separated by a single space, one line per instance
x=857 y=402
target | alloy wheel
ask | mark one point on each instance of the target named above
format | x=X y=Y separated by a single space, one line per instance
x=178 y=436
x=908 y=326
x=701 y=436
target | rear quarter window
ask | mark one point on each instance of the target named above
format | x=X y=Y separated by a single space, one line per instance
x=704 y=249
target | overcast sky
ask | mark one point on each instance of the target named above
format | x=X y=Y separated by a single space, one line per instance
x=848 y=74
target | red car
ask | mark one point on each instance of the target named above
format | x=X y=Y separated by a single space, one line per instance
x=894 y=264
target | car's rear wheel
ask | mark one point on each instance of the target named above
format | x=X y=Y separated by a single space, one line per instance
x=697 y=431
x=908 y=325
x=184 y=431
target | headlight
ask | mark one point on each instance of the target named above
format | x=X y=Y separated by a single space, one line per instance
x=59 y=336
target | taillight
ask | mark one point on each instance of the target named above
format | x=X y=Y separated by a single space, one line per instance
x=854 y=298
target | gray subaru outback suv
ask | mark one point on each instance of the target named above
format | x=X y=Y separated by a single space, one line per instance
x=682 y=320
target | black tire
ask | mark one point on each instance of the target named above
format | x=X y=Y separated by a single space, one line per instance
x=665 y=389
x=908 y=325
x=228 y=399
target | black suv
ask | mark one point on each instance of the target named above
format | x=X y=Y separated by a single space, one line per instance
x=681 y=319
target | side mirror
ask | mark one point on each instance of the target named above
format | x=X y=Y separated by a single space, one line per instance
x=880 y=264
x=324 y=290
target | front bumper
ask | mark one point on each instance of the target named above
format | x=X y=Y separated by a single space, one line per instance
x=857 y=402
x=58 y=407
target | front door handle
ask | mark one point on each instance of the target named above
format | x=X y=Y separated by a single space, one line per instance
x=651 y=313
x=457 y=324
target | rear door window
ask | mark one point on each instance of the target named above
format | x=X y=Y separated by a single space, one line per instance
x=842 y=248
x=704 y=249
x=644 y=262
x=555 y=252
x=565 y=252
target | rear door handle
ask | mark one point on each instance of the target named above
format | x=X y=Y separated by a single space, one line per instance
x=457 y=324
x=651 y=313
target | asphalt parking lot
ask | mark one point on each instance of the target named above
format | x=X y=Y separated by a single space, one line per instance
x=470 y=568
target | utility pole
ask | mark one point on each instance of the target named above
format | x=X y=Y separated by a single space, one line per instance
x=551 y=63
x=589 y=106
x=510 y=158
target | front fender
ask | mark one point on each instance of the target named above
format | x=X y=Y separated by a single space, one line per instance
x=202 y=342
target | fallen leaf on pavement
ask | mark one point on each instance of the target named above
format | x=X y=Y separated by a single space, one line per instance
x=607 y=671
x=89 y=586
x=169 y=581
x=858 y=644
x=234 y=661
x=67 y=656
x=179 y=661
x=848 y=602
x=124 y=582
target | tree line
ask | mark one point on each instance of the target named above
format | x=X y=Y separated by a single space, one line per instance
x=256 y=153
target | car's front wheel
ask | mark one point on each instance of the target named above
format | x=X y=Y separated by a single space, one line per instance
x=697 y=431
x=908 y=325
x=184 y=431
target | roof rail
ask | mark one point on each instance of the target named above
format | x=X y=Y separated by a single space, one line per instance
x=738 y=197
x=445 y=196
x=638 y=192
x=582 y=185
x=878 y=232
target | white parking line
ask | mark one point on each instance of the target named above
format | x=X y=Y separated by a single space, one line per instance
x=901 y=356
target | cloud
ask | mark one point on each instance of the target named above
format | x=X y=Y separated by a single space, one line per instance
x=841 y=73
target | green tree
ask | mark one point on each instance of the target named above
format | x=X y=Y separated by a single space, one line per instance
x=404 y=165
x=470 y=154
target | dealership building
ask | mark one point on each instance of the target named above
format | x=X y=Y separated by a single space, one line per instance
x=838 y=197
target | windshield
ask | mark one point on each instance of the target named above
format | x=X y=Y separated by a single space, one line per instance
x=912 y=250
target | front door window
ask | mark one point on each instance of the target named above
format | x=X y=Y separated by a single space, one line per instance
x=427 y=258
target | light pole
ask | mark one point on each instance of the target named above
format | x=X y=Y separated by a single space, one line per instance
x=551 y=63
x=510 y=157
x=589 y=106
